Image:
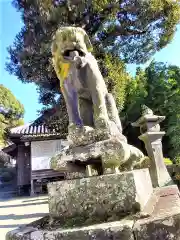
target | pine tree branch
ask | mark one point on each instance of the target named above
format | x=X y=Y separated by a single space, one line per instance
x=118 y=30
x=101 y=15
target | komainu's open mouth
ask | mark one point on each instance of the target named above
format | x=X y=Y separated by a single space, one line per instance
x=67 y=53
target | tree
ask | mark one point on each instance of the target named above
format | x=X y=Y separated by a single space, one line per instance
x=131 y=30
x=11 y=112
x=164 y=97
x=158 y=87
x=136 y=90
x=4 y=158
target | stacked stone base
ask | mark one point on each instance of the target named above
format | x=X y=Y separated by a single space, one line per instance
x=99 y=198
x=156 y=214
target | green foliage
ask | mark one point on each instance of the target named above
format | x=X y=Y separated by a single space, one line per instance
x=177 y=159
x=177 y=177
x=116 y=79
x=164 y=99
x=130 y=30
x=12 y=114
x=133 y=30
x=168 y=161
x=158 y=87
x=135 y=98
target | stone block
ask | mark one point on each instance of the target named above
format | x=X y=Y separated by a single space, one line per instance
x=97 y=199
x=166 y=228
x=119 y=230
x=164 y=221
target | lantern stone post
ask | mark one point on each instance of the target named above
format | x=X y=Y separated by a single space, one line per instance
x=152 y=138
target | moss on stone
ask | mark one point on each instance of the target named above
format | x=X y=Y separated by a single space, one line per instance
x=53 y=162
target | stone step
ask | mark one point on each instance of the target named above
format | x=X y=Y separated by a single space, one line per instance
x=163 y=223
x=120 y=230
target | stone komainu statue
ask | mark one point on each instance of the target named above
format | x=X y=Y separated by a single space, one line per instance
x=94 y=126
x=87 y=99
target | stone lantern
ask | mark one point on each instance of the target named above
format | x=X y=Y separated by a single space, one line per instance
x=152 y=138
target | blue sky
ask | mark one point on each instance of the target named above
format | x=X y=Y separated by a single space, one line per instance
x=10 y=24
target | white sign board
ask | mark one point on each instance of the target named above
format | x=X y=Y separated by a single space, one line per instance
x=42 y=151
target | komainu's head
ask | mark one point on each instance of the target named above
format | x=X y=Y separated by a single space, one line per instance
x=68 y=39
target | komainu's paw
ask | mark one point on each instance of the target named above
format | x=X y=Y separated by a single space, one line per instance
x=143 y=163
x=102 y=123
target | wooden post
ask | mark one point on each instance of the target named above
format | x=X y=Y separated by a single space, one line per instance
x=32 y=187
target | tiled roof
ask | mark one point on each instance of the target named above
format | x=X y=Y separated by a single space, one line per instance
x=41 y=127
x=29 y=128
x=32 y=129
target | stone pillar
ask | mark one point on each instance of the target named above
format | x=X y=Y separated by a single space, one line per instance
x=152 y=138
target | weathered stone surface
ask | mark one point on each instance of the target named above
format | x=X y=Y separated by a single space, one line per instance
x=99 y=198
x=162 y=224
x=164 y=221
x=112 y=153
x=83 y=135
x=75 y=175
x=166 y=229
x=120 y=230
x=22 y=233
x=158 y=171
x=151 y=136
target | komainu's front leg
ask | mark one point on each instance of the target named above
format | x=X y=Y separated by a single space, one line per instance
x=100 y=112
x=112 y=111
x=86 y=112
x=97 y=89
x=71 y=99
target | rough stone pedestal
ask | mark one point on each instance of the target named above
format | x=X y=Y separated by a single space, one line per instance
x=99 y=198
x=109 y=154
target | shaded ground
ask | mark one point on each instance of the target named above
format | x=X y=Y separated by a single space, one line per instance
x=20 y=211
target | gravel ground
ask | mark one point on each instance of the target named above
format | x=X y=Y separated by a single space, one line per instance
x=20 y=211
